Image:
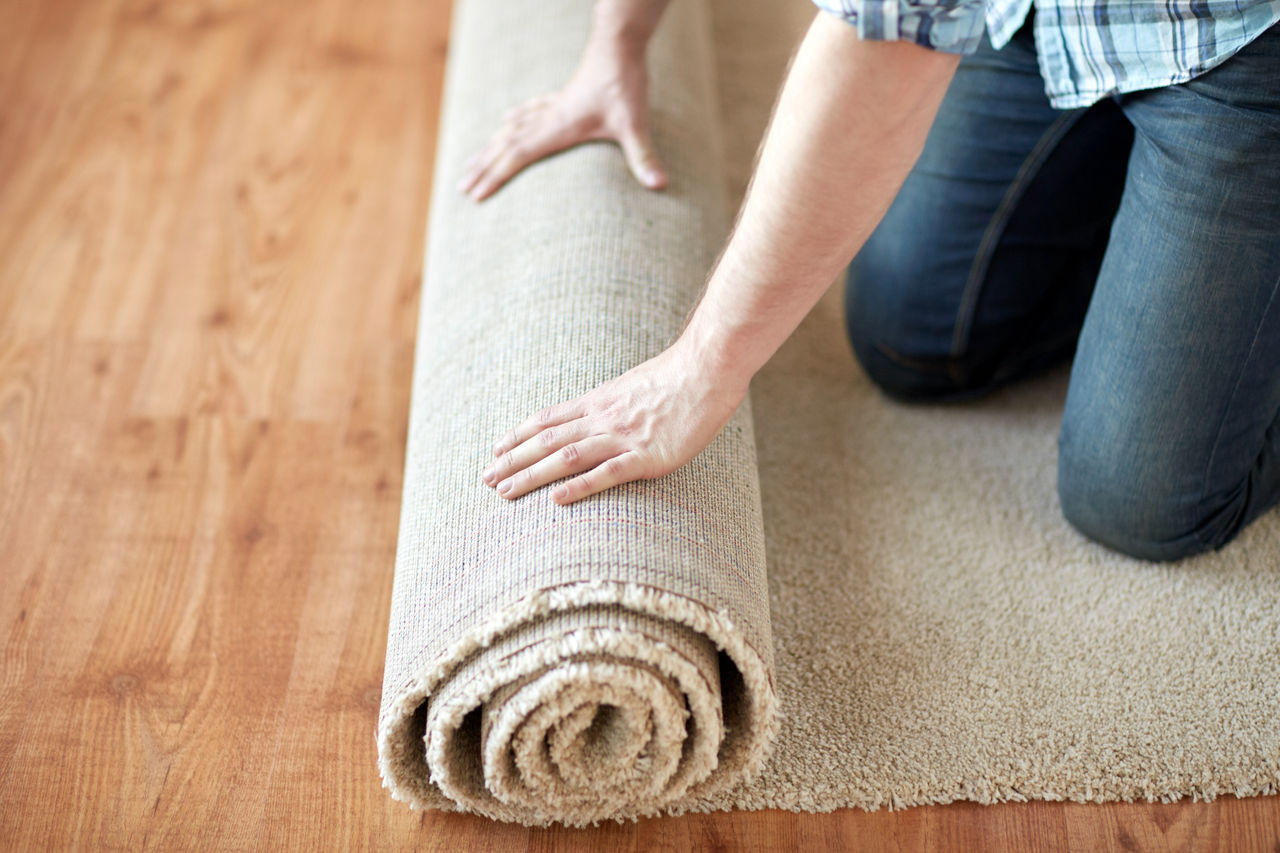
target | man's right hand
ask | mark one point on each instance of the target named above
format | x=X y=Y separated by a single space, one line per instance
x=606 y=99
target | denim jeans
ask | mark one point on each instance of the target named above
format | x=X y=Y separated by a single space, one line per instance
x=1142 y=234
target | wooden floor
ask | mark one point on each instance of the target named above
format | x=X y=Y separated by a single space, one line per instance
x=211 y=221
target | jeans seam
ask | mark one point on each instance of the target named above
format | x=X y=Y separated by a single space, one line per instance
x=995 y=228
x=1235 y=393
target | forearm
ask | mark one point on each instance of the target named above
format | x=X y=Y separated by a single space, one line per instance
x=849 y=125
x=626 y=24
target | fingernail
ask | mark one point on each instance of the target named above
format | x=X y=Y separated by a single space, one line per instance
x=504 y=487
x=487 y=476
x=561 y=492
x=651 y=178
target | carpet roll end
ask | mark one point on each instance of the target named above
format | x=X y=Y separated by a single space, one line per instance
x=627 y=702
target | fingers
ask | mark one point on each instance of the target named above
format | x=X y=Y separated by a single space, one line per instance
x=544 y=126
x=619 y=469
x=529 y=132
x=557 y=443
x=502 y=150
x=478 y=163
x=546 y=418
x=541 y=445
x=642 y=157
x=501 y=170
x=498 y=161
x=515 y=124
x=569 y=459
x=556 y=451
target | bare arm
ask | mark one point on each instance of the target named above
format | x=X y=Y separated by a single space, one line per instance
x=850 y=123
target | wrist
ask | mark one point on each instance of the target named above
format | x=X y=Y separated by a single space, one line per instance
x=622 y=34
x=717 y=350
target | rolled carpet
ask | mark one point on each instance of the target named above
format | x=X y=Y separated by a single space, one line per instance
x=612 y=658
x=934 y=630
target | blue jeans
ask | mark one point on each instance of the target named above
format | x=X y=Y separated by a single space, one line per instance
x=1142 y=234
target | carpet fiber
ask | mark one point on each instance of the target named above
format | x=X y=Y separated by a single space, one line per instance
x=927 y=629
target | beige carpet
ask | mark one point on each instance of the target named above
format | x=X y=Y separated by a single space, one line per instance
x=928 y=626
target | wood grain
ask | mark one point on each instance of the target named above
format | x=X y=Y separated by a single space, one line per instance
x=211 y=222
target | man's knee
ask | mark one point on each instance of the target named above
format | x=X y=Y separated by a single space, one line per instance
x=1138 y=510
x=907 y=377
x=891 y=338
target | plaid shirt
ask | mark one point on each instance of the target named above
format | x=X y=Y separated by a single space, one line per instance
x=1087 y=49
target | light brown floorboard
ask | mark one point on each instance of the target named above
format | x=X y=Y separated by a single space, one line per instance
x=211 y=220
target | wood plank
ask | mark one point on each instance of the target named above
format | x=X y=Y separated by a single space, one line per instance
x=211 y=220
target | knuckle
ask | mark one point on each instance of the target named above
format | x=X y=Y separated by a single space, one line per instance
x=544 y=416
x=570 y=454
x=615 y=467
x=548 y=437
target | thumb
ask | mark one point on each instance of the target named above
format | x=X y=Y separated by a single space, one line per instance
x=642 y=158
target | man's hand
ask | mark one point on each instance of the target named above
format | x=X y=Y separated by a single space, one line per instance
x=646 y=423
x=606 y=99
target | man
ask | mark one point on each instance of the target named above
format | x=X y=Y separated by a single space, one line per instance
x=1106 y=182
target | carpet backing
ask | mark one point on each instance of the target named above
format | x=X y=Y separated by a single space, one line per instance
x=927 y=628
